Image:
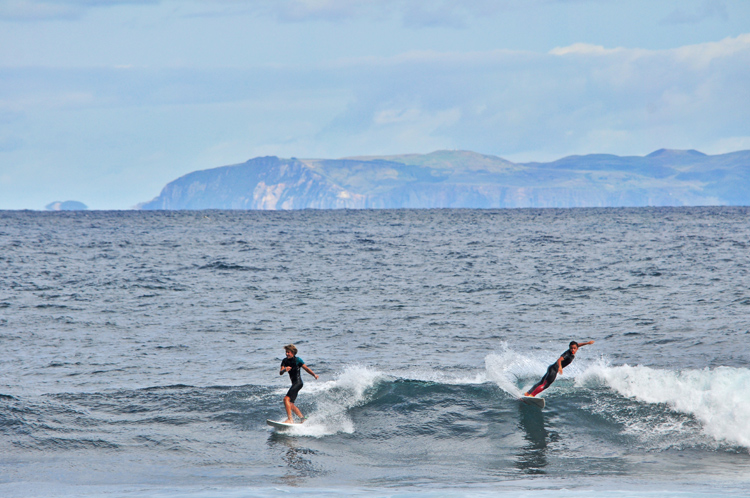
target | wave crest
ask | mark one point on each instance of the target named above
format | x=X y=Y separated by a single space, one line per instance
x=334 y=398
x=718 y=398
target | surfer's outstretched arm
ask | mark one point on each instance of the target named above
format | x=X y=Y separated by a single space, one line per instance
x=307 y=369
x=574 y=346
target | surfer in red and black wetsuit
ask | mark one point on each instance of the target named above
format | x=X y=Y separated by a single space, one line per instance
x=292 y=364
x=556 y=368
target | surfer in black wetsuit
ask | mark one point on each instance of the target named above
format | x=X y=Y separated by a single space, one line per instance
x=292 y=364
x=556 y=368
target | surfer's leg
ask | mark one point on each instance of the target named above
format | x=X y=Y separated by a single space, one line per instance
x=296 y=411
x=546 y=381
x=288 y=405
x=289 y=399
x=535 y=388
x=538 y=388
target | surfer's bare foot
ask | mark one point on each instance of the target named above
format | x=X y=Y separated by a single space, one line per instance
x=527 y=394
x=288 y=421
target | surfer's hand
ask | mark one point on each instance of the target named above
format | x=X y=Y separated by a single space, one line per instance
x=316 y=377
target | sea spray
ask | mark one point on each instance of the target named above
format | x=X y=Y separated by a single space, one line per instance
x=355 y=386
x=508 y=369
x=718 y=398
x=333 y=399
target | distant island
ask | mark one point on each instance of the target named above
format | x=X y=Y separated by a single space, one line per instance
x=66 y=206
x=464 y=179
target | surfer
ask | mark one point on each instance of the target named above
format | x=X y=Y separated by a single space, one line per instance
x=292 y=364
x=556 y=368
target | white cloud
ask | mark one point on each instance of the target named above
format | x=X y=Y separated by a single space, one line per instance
x=581 y=98
x=700 y=56
x=728 y=144
x=391 y=116
x=584 y=49
x=496 y=101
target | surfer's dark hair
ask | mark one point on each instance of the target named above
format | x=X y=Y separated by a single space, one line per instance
x=572 y=343
x=292 y=348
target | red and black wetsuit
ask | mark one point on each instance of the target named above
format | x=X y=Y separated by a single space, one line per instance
x=551 y=374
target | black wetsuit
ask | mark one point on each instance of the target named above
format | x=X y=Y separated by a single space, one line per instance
x=551 y=374
x=295 y=375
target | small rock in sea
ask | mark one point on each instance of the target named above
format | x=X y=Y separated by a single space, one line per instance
x=66 y=206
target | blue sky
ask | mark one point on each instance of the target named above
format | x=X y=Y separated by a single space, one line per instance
x=105 y=101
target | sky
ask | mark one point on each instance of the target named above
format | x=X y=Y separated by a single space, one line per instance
x=106 y=101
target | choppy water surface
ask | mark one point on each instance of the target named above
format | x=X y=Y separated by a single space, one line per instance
x=141 y=352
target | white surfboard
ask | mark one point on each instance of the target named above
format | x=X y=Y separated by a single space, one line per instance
x=531 y=400
x=280 y=425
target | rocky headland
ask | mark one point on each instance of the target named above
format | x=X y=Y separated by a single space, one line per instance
x=464 y=179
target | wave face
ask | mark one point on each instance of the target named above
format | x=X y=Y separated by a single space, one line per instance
x=141 y=351
x=701 y=409
x=718 y=399
x=681 y=406
x=366 y=427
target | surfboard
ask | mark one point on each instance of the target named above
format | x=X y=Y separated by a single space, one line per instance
x=280 y=425
x=530 y=400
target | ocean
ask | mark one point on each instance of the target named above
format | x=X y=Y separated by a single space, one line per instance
x=141 y=353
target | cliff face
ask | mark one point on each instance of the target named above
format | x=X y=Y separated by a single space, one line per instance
x=260 y=183
x=462 y=179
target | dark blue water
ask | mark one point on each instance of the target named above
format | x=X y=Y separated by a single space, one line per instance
x=141 y=352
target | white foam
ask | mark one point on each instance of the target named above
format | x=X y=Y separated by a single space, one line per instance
x=333 y=399
x=510 y=369
x=718 y=398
